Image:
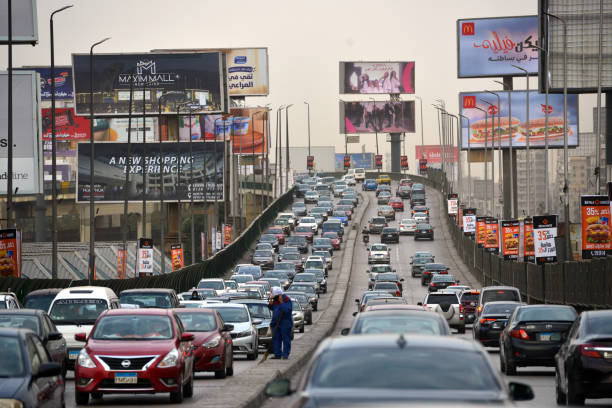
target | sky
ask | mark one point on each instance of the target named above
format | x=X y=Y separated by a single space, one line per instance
x=305 y=41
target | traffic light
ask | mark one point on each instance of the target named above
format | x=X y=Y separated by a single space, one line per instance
x=347 y=162
x=378 y=161
x=404 y=162
x=423 y=166
x=310 y=162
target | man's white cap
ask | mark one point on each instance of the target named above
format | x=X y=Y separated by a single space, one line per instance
x=276 y=291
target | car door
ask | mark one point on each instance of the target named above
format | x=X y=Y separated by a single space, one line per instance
x=55 y=383
x=565 y=358
x=56 y=348
x=185 y=349
x=41 y=388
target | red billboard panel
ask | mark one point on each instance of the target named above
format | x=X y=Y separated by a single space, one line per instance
x=68 y=126
x=433 y=153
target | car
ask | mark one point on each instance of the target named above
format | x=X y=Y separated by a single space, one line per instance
x=311 y=197
x=406 y=182
x=391 y=287
x=395 y=305
x=417 y=199
x=359 y=174
x=219 y=284
x=423 y=231
x=333 y=226
x=322 y=189
x=39 y=322
x=263 y=258
x=347 y=202
x=281 y=276
x=270 y=239
x=398 y=321
x=284 y=224
x=341 y=216
x=395 y=370
x=370 y=294
x=149 y=297
x=337 y=188
x=212 y=341
x=309 y=278
x=383 y=301
x=369 y=185
x=498 y=294
x=40 y=299
x=264 y=245
x=582 y=365
x=420 y=208
x=231 y=285
x=492 y=322
x=248 y=269
x=458 y=289
x=403 y=192
x=469 y=301
x=309 y=222
x=320 y=276
x=303 y=300
x=321 y=212
x=389 y=234
x=328 y=206
x=202 y=294
x=288 y=266
x=346 y=195
x=383 y=198
x=430 y=269
x=447 y=305
x=298 y=241
x=379 y=253
x=383 y=179
x=245 y=335
x=289 y=216
x=295 y=258
x=259 y=310
x=348 y=209
x=327 y=256
x=316 y=263
x=386 y=211
x=533 y=335
x=334 y=239
x=375 y=269
x=396 y=203
x=417 y=266
x=304 y=230
x=8 y=300
x=267 y=288
x=299 y=209
x=376 y=225
x=389 y=277
x=407 y=226
x=439 y=281
x=349 y=179
x=423 y=254
x=309 y=290
x=299 y=319
x=421 y=218
x=29 y=376
x=279 y=232
x=382 y=187
x=135 y=351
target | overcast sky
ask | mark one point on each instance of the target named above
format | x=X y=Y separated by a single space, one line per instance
x=305 y=41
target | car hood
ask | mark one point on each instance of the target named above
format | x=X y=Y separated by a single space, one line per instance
x=200 y=338
x=379 y=253
x=11 y=386
x=129 y=347
x=68 y=332
x=240 y=327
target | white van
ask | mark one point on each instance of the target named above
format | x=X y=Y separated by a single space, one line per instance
x=75 y=310
x=359 y=175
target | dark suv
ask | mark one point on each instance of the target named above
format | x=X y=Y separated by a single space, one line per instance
x=376 y=225
x=431 y=269
x=389 y=234
x=469 y=302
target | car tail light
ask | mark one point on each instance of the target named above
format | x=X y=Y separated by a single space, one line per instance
x=484 y=321
x=444 y=272
x=426 y=272
x=460 y=308
x=397 y=293
x=588 y=350
x=479 y=309
x=432 y=285
x=519 y=334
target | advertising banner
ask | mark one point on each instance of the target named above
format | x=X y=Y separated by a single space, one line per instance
x=381 y=117
x=121 y=263
x=510 y=231
x=358 y=160
x=376 y=77
x=453 y=202
x=116 y=130
x=68 y=126
x=27 y=146
x=459 y=218
x=111 y=163
x=227 y=235
x=491 y=242
x=247 y=128
x=181 y=77
x=488 y=47
x=481 y=231
x=63 y=82
x=203 y=246
x=545 y=232
x=422 y=167
x=469 y=221
x=144 y=258
x=595 y=226
x=10 y=253
x=528 y=241
x=433 y=154
x=176 y=256
x=480 y=131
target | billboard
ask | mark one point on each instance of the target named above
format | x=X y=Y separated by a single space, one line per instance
x=481 y=231
x=144 y=257
x=480 y=132
x=491 y=242
x=63 y=82
x=247 y=128
x=377 y=77
x=545 y=232
x=488 y=47
x=10 y=253
x=469 y=221
x=27 y=146
x=358 y=160
x=24 y=22
x=433 y=153
x=116 y=129
x=176 y=255
x=510 y=231
x=68 y=126
x=373 y=117
x=181 y=76
x=528 y=241
x=595 y=226
x=111 y=164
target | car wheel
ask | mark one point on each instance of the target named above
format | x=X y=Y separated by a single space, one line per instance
x=254 y=354
x=502 y=365
x=309 y=322
x=177 y=396
x=96 y=395
x=81 y=398
x=461 y=330
x=221 y=374
x=230 y=370
x=572 y=396
x=510 y=367
x=188 y=388
x=561 y=397
x=302 y=328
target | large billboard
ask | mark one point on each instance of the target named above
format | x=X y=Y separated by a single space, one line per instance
x=63 y=82
x=377 y=77
x=480 y=132
x=182 y=77
x=488 y=47
x=24 y=22
x=247 y=128
x=433 y=153
x=27 y=146
x=596 y=237
x=68 y=126
x=111 y=164
x=373 y=117
x=358 y=160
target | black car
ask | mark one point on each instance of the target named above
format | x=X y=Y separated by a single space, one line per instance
x=301 y=189
x=376 y=225
x=533 y=336
x=583 y=364
x=382 y=187
x=270 y=239
x=403 y=192
x=492 y=322
x=431 y=269
x=40 y=299
x=298 y=241
x=40 y=323
x=440 y=281
x=28 y=375
x=423 y=231
x=417 y=199
x=418 y=264
x=148 y=297
x=389 y=234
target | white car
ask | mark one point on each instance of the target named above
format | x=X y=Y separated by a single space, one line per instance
x=349 y=179
x=379 y=253
x=421 y=218
x=309 y=222
x=338 y=187
x=217 y=284
x=359 y=174
x=407 y=226
x=244 y=336
x=8 y=300
x=311 y=197
x=447 y=304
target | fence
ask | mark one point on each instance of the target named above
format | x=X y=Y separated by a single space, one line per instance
x=181 y=280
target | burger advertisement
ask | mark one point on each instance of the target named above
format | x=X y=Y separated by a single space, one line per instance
x=453 y=204
x=544 y=233
x=469 y=221
x=491 y=243
x=528 y=244
x=481 y=231
x=595 y=226
x=10 y=253
x=510 y=230
x=176 y=253
x=514 y=124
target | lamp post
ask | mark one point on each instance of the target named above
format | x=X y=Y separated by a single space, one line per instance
x=286 y=147
x=264 y=150
x=162 y=218
x=485 y=161
x=92 y=232
x=527 y=152
x=375 y=126
x=253 y=147
x=345 y=130
x=422 y=137
x=126 y=225
x=191 y=190
x=492 y=155
x=442 y=130
x=308 y=106
x=53 y=153
x=512 y=212
x=179 y=188
x=497 y=197
x=469 y=163
x=277 y=149
x=439 y=109
x=143 y=160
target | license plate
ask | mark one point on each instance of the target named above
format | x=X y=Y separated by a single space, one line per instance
x=607 y=354
x=497 y=325
x=550 y=336
x=73 y=355
x=126 y=378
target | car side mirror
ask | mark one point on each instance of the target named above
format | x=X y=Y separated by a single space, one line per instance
x=227 y=327
x=81 y=337
x=187 y=337
x=48 y=370
x=355 y=314
x=458 y=281
x=278 y=388
x=520 y=392
x=345 y=331
x=368 y=248
x=419 y=303
x=401 y=280
x=53 y=336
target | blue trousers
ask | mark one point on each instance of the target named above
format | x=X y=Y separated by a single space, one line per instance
x=282 y=341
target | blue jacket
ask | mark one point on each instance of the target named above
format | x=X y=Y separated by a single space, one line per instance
x=286 y=307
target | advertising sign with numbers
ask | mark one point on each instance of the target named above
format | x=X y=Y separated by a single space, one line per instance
x=491 y=242
x=544 y=233
x=469 y=221
x=481 y=231
x=595 y=226
x=528 y=245
x=510 y=230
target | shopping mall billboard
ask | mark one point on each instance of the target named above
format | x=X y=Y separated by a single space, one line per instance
x=377 y=77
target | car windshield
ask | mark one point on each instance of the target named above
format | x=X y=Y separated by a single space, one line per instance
x=287 y=266
x=340 y=214
x=398 y=324
x=77 y=311
x=443 y=278
x=406 y=368
x=500 y=308
x=40 y=302
x=276 y=275
x=160 y=300
x=296 y=240
x=242 y=278
x=385 y=285
x=389 y=230
x=307 y=220
x=267 y=238
x=292 y=256
x=133 y=327
x=304 y=277
x=302 y=299
x=247 y=270
x=378 y=247
x=380 y=268
x=378 y=220
x=386 y=277
x=302 y=288
x=198 y=321
x=599 y=325
x=500 y=295
x=216 y=285
x=470 y=297
x=546 y=313
x=20 y=321
x=420 y=214
x=424 y=226
x=322 y=241
x=436 y=299
x=11 y=359
x=323 y=254
x=435 y=267
x=303 y=229
x=231 y=284
x=265 y=254
x=264 y=246
x=314 y=264
x=281 y=221
x=233 y=314
x=259 y=310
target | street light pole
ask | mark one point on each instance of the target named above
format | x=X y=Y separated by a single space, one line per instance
x=286 y=147
x=375 y=126
x=527 y=153
x=53 y=153
x=144 y=160
x=162 y=218
x=485 y=158
x=422 y=137
x=469 y=163
x=499 y=190
x=512 y=213
x=308 y=106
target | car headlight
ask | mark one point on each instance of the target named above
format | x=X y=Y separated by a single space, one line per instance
x=170 y=360
x=84 y=360
x=214 y=342
x=10 y=403
x=245 y=333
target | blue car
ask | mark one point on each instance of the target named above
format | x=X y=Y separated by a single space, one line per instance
x=340 y=216
x=369 y=185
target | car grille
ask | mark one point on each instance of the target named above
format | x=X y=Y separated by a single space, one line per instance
x=136 y=363
x=109 y=383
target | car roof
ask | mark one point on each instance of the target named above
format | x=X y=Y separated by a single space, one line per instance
x=246 y=301
x=397 y=307
x=195 y=309
x=234 y=305
x=13 y=332
x=498 y=288
x=26 y=312
x=90 y=291
x=147 y=290
x=146 y=311
x=371 y=341
x=48 y=291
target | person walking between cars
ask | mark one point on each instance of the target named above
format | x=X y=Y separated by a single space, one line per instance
x=281 y=324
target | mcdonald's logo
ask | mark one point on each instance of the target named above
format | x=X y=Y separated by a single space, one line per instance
x=467 y=28
x=469 y=101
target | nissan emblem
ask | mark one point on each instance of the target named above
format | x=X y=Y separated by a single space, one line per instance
x=126 y=363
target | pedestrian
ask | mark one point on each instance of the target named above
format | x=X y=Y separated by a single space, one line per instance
x=281 y=324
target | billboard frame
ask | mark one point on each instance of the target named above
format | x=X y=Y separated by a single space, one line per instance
x=33 y=39
x=342 y=73
x=342 y=116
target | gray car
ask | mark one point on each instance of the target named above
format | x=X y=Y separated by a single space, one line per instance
x=259 y=310
x=303 y=299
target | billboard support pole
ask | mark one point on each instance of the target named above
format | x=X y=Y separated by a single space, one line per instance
x=9 y=154
x=143 y=161
x=599 y=65
x=469 y=163
x=422 y=137
x=499 y=193
x=375 y=127
x=508 y=158
x=127 y=173
x=492 y=159
x=485 y=154
x=191 y=189
x=179 y=188
x=215 y=179
x=286 y=148
x=440 y=138
x=253 y=158
x=162 y=218
x=527 y=154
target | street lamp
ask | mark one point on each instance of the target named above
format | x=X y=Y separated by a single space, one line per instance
x=492 y=155
x=278 y=178
x=53 y=153
x=497 y=197
x=92 y=232
x=422 y=137
x=375 y=126
x=527 y=154
x=469 y=163
x=286 y=147
x=512 y=212
x=485 y=158
x=253 y=147
x=308 y=106
x=440 y=131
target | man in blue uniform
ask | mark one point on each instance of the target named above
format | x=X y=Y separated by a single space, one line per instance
x=281 y=324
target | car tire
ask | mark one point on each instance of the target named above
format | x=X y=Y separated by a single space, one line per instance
x=177 y=396
x=254 y=354
x=461 y=330
x=188 y=388
x=96 y=395
x=510 y=367
x=230 y=370
x=302 y=328
x=81 y=398
x=560 y=395
x=502 y=365
x=221 y=374
x=572 y=396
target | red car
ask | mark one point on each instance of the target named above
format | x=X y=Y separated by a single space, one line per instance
x=305 y=231
x=335 y=239
x=135 y=351
x=397 y=204
x=279 y=232
x=212 y=341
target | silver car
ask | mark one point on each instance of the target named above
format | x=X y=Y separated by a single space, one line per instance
x=447 y=304
x=298 y=317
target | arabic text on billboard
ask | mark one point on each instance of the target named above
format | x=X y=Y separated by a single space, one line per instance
x=63 y=82
x=433 y=153
x=377 y=77
x=381 y=117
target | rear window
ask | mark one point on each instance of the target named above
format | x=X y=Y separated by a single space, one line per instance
x=500 y=295
x=470 y=297
x=601 y=325
x=545 y=313
x=389 y=230
x=377 y=220
x=435 y=267
x=443 y=278
x=505 y=308
x=442 y=298
x=423 y=226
